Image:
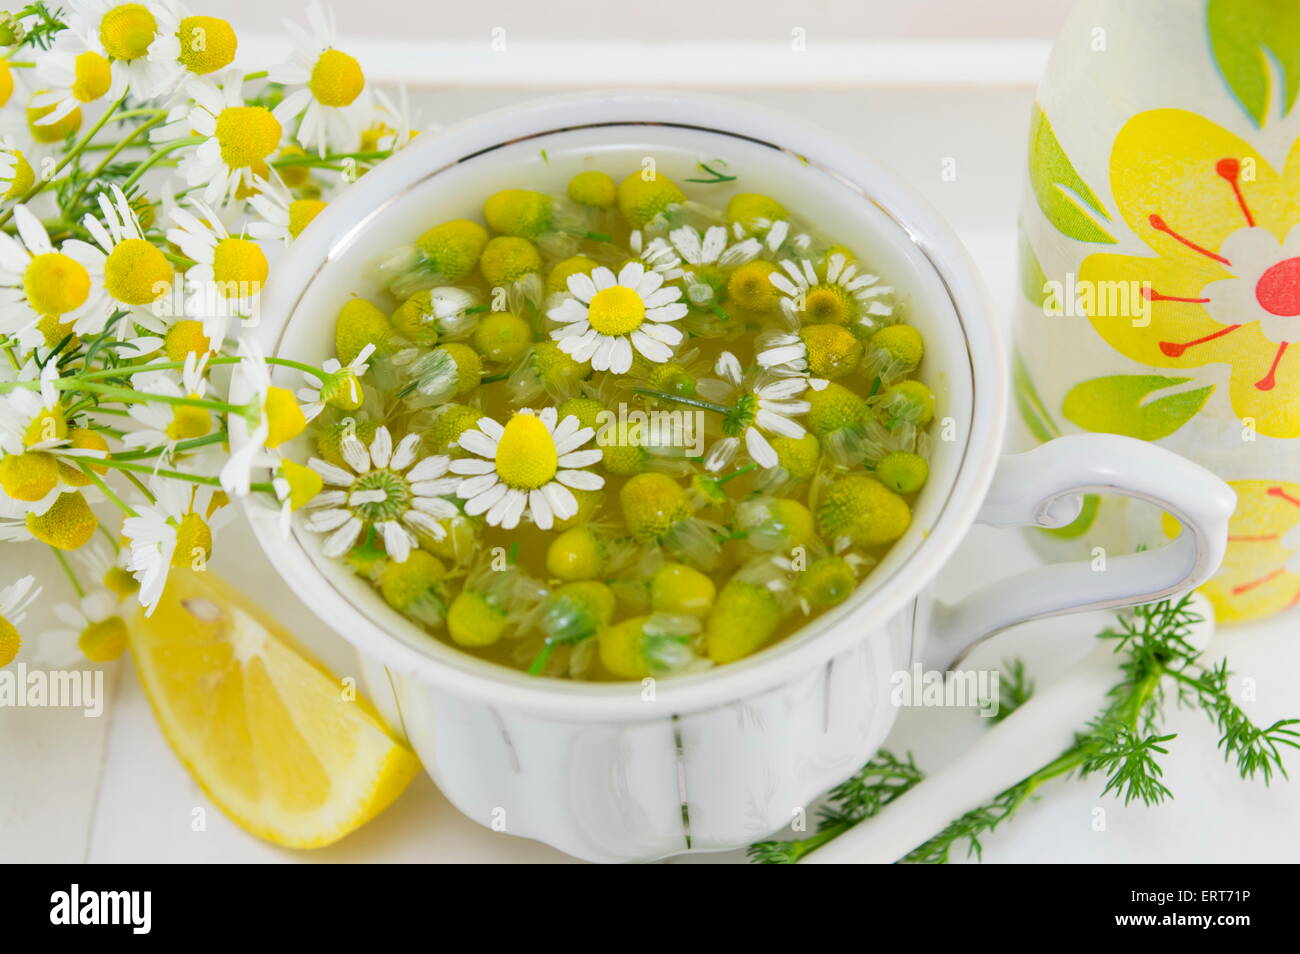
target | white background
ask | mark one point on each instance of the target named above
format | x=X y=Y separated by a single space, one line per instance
x=914 y=84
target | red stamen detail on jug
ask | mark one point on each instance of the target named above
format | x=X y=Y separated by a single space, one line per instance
x=1269 y=381
x=1261 y=538
x=1150 y=294
x=1230 y=169
x=1279 y=492
x=1246 y=587
x=1175 y=349
x=1160 y=225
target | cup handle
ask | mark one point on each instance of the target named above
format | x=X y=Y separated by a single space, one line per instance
x=1043 y=488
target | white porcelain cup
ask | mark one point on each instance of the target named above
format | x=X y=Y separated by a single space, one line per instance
x=633 y=771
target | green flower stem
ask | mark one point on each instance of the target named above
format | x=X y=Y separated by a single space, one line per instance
x=690 y=402
x=256 y=75
x=734 y=474
x=102 y=484
x=216 y=437
x=162 y=472
x=159 y=155
x=156 y=112
x=121 y=372
x=113 y=152
x=491 y=378
x=144 y=397
x=69 y=572
x=333 y=158
x=541 y=659
x=72 y=153
x=139 y=485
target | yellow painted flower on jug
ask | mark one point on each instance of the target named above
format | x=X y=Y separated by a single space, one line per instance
x=1224 y=285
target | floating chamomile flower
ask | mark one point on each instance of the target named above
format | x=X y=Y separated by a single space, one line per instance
x=445 y=313
x=528 y=466
x=229 y=273
x=546 y=369
x=68 y=81
x=331 y=100
x=764 y=405
x=797 y=460
x=164 y=425
x=752 y=214
x=903 y=472
x=171 y=531
x=681 y=590
x=611 y=316
x=748 y=610
x=555 y=225
x=826 y=351
x=237 y=139
x=657 y=510
x=446 y=423
x=92 y=628
x=639 y=443
x=361 y=323
x=654 y=645
x=569 y=618
x=892 y=352
x=649 y=200
x=416 y=587
x=272 y=416
x=828 y=580
x=439 y=375
x=390 y=489
x=839 y=419
x=707 y=261
x=444 y=255
x=777 y=524
x=845 y=296
x=515 y=265
x=585 y=552
x=502 y=336
x=14 y=601
x=493 y=603
x=132 y=270
x=138 y=40
x=283 y=216
x=340 y=388
x=394 y=126
x=862 y=511
x=37 y=281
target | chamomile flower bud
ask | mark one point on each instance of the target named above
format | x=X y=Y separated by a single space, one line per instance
x=16 y=175
x=746 y=614
x=329 y=440
x=508 y=259
x=750 y=288
x=82 y=438
x=446 y=371
x=445 y=254
x=416 y=588
x=519 y=212
x=492 y=602
x=587 y=410
x=828 y=581
x=546 y=369
x=449 y=421
x=193 y=541
x=655 y=645
x=502 y=336
x=49 y=133
x=207 y=44
x=301 y=484
x=29 y=476
x=67 y=525
x=577 y=554
x=458 y=541
x=284 y=416
x=642 y=200
x=103 y=641
x=184 y=338
x=444 y=313
x=908 y=402
x=835 y=418
x=682 y=590
x=754 y=212
x=798 y=456
x=593 y=188
x=652 y=504
x=775 y=524
x=577 y=611
x=863 y=511
x=902 y=472
x=557 y=279
x=827 y=351
x=902 y=346
x=361 y=323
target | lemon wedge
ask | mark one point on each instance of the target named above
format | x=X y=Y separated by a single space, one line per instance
x=274 y=740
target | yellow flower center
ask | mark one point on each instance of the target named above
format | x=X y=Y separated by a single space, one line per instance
x=284 y=418
x=184 y=338
x=91 y=77
x=828 y=305
x=103 y=641
x=189 y=422
x=67 y=525
x=616 y=311
x=127 y=30
x=193 y=542
x=28 y=476
x=6 y=82
x=22 y=178
x=53 y=330
x=207 y=44
x=371 y=135
x=136 y=272
x=120 y=583
x=526 y=455
x=239 y=267
x=301 y=212
x=296 y=176
x=336 y=79
x=247 y=135
x=55 y=131
x=55 y=284
x=10 y=642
